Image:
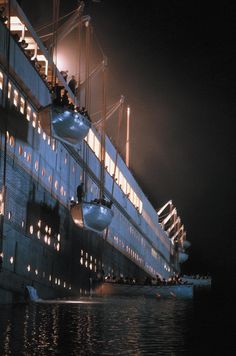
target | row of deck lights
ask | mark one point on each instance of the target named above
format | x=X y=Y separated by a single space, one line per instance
x=36 y=271
x=57 y=280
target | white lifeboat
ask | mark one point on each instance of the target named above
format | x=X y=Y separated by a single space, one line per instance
x=92 y=216
x=67 y=125
x=183 y=257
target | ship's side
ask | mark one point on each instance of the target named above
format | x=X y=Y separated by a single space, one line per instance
x=40 y=244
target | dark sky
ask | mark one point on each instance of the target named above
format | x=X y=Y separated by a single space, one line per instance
x=175 y=63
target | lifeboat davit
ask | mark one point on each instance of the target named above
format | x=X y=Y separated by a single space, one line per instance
x=71 y=126
x=91 y=216
x=183 y=257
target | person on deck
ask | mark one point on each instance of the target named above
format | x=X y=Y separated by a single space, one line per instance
x=72 y=84
x=64 y=73
x=65 y=99
x=80 y=192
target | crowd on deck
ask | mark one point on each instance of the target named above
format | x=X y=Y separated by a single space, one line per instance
x=158 y=281
x=80 y=196
x=58 y=98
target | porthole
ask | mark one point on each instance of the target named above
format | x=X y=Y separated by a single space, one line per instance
x=11 y=141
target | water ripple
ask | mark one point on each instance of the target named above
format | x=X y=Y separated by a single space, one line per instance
x=115 y=326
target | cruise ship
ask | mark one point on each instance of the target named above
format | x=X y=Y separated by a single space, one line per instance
x=48 y=238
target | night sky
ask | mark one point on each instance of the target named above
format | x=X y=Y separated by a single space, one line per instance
x=175 y=63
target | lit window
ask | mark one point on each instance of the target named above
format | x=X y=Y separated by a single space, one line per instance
x=81 y=252
x=36 y=165
x=66 y=159
x=28 y=157
x=11 y=141
x=45 y=239
x=39 y=223
x=22 y=223
x=56 y=184
x=15 y=98
x=58 y=237
x=58 y=247
x=38 y=234
x=11 y=260
x=28 y=268
x=44 y=136
x=34 y=120
x=43 y=172
x=28 y=113
x=20 y=150
x=97 y=147
x=90 y=139
x=50 y=277
x=22 y=105
x=64 y=284
x=81 y=261
x=39 y=127
x=61 y=190
x=31 y=229
x=90 y=266
x=9 y=90
x=1 y=80
x=53 y=144
x=9 y=215
x=121 y=180
x=36 y=272
x=50 y=179
x=140 y=206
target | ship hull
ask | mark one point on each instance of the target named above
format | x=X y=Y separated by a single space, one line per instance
x=83 y=255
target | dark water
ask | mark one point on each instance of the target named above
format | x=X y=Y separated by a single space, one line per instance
x=120 y=326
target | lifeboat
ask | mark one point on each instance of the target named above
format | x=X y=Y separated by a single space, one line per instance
x=183 y=257
x=92 y=216
x=67 y=125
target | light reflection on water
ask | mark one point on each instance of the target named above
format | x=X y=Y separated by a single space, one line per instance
x=115 y=326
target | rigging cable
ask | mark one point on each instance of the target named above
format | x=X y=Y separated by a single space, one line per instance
x=103 y=137
x=87 y=96
x=120 y=116
x=56 y=7
x=6 y=103
x=52 y=24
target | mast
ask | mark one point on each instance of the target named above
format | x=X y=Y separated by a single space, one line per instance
x=127 y=137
